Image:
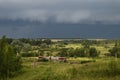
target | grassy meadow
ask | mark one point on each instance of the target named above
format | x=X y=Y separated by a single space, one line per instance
x=99 y=69
x=76 y=68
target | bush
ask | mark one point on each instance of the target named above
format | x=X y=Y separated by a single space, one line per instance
x=44 y=60
x=93 y=52
x=87 y=61
x=30 y=54
x=115 y=51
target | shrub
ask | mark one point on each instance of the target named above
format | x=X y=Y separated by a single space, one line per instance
x=30 y=54
x=87 y=61
x=93 y=52
x=44 y=60
x=115 y=51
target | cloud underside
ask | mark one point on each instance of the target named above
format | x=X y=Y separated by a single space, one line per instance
x=61 y=11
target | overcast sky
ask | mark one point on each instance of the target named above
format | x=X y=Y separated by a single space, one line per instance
x=57 y=11
x=74 y=11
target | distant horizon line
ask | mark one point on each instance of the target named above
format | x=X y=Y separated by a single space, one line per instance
x=90 y=38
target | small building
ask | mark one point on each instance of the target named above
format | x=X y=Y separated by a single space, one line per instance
x=61 y=59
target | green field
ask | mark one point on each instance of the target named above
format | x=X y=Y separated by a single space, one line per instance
x=97 y=70
x=77 y=68
x=86 y=60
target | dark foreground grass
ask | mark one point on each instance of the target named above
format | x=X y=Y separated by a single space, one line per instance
x=100 y=70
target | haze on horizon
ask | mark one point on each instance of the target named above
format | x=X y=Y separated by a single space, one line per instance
x=60 y=18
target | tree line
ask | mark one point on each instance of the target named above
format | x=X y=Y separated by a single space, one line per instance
x=79 y=52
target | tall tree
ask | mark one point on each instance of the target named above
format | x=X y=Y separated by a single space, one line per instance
x=18 y=45
x=93 y=52
x=115 y=51
x=9 y=62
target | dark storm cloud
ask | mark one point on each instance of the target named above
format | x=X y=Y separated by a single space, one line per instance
x=70 y=11
x=60 y=18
